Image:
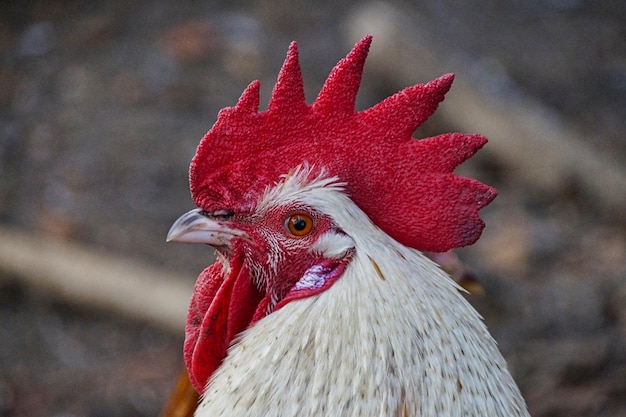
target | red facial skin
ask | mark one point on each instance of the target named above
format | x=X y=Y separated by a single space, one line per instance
x=264 y=268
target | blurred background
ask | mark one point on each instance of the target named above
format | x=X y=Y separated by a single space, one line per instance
x=103 y=103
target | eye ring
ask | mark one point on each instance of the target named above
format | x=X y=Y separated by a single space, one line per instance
x=299 y=224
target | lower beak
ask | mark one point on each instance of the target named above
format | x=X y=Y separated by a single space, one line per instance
x=196 y=226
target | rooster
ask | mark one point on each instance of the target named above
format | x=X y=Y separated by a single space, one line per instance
x=321 y=301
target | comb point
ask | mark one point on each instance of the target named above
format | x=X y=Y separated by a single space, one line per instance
x=288 y=94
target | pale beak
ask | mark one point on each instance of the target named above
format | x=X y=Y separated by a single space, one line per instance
x=196 y=226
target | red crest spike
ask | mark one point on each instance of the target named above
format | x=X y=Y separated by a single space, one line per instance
x=288 y=94
x=340 y=89
x=406 y=186
x=249 y=100
x=403 y=112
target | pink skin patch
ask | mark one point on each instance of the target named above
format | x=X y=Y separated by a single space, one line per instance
x=316 y=279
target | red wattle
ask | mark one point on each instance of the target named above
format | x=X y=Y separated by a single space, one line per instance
x=219 y=310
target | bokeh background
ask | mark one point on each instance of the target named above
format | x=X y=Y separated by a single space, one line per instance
x=103 y=103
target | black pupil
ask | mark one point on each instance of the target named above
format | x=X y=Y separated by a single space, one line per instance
x=299 y=224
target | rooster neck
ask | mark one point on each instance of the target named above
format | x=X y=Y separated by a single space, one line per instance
x=392 y=337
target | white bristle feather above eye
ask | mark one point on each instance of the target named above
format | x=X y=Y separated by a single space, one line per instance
x=332 y=245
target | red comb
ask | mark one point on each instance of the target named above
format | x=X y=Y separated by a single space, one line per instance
x=406 y=186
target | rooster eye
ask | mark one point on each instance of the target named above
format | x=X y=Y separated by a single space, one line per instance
x=299 y=224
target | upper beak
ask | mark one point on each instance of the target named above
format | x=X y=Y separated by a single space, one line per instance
x=196 y=226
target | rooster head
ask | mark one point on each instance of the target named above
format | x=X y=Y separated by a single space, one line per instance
x=258 y=179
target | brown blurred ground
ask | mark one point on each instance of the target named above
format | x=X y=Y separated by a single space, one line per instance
x=101 y=107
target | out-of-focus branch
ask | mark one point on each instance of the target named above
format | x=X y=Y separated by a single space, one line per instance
x=87 y=277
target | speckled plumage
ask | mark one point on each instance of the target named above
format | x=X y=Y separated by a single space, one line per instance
x=406 y=345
